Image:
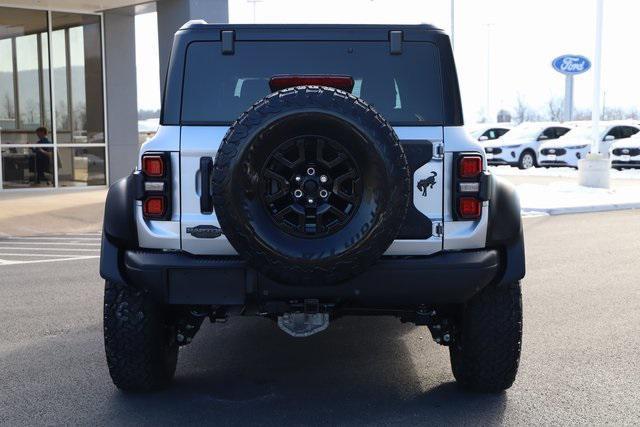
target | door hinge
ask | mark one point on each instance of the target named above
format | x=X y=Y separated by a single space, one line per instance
x=437 y=229
x=438 y=150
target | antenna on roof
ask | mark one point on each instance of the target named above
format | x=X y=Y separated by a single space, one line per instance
x=254 y=8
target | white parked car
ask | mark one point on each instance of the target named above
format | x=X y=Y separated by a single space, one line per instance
x=521 y=145
x=489 y=131
x=626 y=153
x=576 y=144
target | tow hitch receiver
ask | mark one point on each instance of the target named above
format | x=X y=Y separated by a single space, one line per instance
x=305 y=323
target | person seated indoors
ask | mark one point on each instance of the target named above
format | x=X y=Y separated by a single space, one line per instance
x=43 y=155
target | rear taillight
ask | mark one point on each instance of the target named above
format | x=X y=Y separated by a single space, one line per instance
x=339 y=82
x=469 y=207
x=153 y=165
x=154 y=206
x=155 y=186
x=469 y=166
x=468 y=191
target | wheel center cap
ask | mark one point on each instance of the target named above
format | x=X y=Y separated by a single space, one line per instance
x=310 y=187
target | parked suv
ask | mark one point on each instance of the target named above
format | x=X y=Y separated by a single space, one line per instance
x=521 y=145
x=576 y=144
x=489 y=132
x=626 y=153
x=302 y=173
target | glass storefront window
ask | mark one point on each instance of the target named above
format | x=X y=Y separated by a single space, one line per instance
x=79 y=167
x=33 y=61
x=60 y=79
x=24 y=76
x=7 y=100
x=27 y=167
x=77 y=64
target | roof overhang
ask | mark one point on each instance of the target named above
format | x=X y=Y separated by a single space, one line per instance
x=86 y=6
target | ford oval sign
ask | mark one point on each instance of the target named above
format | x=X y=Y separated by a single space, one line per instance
x=571 y=64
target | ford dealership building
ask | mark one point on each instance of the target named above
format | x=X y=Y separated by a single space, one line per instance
x=68 y=101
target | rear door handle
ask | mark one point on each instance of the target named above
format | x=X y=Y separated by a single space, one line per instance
x=206 y=199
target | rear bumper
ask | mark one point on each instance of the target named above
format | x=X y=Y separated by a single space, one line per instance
x=180 y=278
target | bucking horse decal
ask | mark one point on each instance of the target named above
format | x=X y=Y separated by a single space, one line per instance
x=429 y=182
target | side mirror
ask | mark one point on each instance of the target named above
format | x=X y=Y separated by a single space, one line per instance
x=543 y=138
x=609 y=138
x=483 y=138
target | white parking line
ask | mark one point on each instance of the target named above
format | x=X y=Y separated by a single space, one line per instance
x=36 y=255
x=17 y=250
x=49 y=249
x=8 y=262
x=53 y=238
x=32 y=242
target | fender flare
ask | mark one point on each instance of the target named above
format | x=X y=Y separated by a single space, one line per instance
x=119 y=230
x=505 y=229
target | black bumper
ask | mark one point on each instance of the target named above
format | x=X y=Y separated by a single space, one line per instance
x=179 y=278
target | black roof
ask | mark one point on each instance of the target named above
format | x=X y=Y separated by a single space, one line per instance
x=354 y=32
x=195 y=31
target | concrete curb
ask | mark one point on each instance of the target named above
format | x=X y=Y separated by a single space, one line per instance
x=580 y=209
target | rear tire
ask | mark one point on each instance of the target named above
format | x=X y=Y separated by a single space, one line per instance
x=486 y=353
x=139 y=342
x=527 y=160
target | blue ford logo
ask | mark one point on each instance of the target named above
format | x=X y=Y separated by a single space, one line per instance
x=571 y=64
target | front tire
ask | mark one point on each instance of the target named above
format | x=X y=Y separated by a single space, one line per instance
x=527 y=160
x=141 y=349
x=486 y=353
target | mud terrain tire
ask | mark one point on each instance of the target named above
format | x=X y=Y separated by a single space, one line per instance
x=141 y=350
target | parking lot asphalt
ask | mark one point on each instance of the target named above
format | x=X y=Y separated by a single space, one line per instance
x=579 y=361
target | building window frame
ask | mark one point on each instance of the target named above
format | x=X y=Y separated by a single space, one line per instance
x=52 y=101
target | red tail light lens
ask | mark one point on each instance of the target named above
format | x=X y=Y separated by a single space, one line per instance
x=469 y=207
x=153 y=166
x=339 y=82
x=469 y=166
x=154 y=206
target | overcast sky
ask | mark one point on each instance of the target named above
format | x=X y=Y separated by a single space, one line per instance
x=523 y=35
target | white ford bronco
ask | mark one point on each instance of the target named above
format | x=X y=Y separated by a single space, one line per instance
x=306 y=172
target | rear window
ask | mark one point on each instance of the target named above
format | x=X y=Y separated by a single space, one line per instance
x=405 y=89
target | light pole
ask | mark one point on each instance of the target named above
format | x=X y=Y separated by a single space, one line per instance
x=453 y=24
x=488 y=99
x=594 y=171
x=597 y=76
x=254 y=8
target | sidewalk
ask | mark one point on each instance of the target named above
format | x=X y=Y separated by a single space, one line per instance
x=25 y=213
x=556 y=191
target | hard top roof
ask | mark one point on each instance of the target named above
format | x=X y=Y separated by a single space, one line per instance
x=370 y=32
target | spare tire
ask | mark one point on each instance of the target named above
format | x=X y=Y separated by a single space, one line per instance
x=310 y=185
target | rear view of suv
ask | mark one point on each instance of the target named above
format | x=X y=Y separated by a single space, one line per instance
x=303 y=173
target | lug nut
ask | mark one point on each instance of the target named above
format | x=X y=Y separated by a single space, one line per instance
x=297 y=193
x=311 y=171
x=323 y=178
x=446 y=337
x=298 y=179
x=324 y=193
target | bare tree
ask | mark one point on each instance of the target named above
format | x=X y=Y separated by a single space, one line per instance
x=555 y=109
x=583 y=114
x=615 y=113
x=9 y=107
x=522 y=111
